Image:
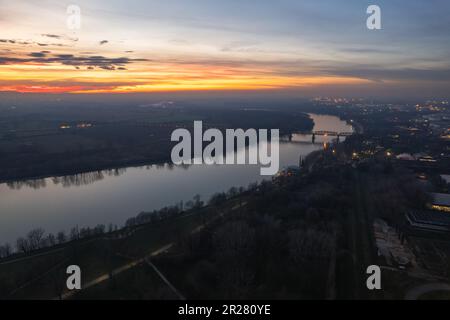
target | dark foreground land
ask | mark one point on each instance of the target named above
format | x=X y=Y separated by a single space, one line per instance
x=299 y=237
x=306 y=235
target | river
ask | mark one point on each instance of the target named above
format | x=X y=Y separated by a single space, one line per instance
x=113 y=196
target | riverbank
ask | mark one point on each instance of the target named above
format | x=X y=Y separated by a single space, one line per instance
x=38 y=268
x=42 y=153
x=103 y=197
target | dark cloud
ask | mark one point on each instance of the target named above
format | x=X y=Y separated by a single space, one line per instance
x=58 y=37
x=41 y=44
x=51 y=44
x=103 y=42
x=54 y=36
x=64 y=56
x=37 y=54
x=56 y=83
x=14 y=41
x=90 y=62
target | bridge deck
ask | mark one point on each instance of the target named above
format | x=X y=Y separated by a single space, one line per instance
x=332 y=133
x=329 y=133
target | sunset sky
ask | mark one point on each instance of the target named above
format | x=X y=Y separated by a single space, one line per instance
x=180 y=45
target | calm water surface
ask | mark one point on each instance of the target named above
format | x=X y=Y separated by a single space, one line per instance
x=113 y=196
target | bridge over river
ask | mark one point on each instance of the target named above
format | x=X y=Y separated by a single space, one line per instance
x=324 y=133
x=331 y=133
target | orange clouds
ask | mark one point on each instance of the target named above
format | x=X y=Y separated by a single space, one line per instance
x=49 y=72
x=43 y=89
x=82 y=81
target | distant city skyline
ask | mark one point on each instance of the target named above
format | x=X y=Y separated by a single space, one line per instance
x=309 y=47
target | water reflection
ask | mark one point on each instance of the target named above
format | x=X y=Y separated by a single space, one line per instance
x=113 y=196
x=87 y=178
x=79 y=179
x=35 y=184
x=321 y=122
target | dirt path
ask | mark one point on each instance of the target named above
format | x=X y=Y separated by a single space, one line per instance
x=136 y=262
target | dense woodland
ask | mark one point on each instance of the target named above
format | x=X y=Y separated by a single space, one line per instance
x=300 y=237
x=304 y=237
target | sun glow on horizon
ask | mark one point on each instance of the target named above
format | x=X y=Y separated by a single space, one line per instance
x=154 y=77
x=155 y=46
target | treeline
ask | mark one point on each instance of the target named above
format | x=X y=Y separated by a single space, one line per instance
x=79 y=179
x=182 y=207
x=307 y=236
x=37 y=239
x=165 y=213
x=277 y=246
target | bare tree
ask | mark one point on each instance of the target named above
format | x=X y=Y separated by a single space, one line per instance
x=51 y=240
x=197 y=201
x=235 y=242
x=35 y=238
x=189 y=205
x=308 y=244
x=233 y=191
x=74 y=234
x=5 y=250
x=61 y=237
x=22 y=245
x=99 y=229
